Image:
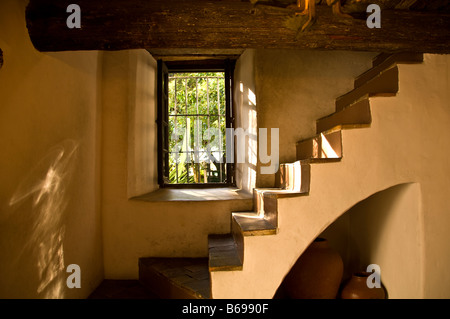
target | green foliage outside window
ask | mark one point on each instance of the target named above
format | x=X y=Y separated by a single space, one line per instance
x=197 y=110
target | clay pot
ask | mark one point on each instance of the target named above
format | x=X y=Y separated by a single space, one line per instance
x=317 y=274
x=356 y=288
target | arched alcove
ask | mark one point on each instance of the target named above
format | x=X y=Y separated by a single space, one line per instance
x=384 y=229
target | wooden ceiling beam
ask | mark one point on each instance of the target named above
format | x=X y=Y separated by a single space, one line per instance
x=226 y=25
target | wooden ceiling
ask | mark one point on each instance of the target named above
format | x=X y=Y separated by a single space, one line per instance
x=224 y=28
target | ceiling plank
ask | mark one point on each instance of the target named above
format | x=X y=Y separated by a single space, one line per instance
x=223 y=25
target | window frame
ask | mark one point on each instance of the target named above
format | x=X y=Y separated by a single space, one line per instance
x=163 y=70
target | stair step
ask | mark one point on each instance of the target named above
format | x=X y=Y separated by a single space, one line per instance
x=325 y=146
x=355 y=115
x=380 y=58
x=401 y=57
x=223 y=253
x=384 y=62
x=294 y=177
x=254 y=225
x=385 y=82
x=176 y=278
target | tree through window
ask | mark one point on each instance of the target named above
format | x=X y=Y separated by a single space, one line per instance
x=194 y=112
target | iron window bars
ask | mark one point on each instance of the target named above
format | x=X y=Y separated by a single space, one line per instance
x=194 y=108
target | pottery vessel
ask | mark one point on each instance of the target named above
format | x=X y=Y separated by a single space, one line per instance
x=317 y=274
x=357 y=288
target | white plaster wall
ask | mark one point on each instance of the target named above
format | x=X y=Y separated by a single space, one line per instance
x=384 y=229
x=407 y=142
x=49 y=165
x=131 y=228
x=245 y=112
x=295 y=87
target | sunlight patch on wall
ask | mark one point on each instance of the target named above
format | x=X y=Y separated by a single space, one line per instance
x=45 y=185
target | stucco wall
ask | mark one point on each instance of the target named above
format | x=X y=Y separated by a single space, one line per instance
x=133 y=228
x=406 y=143
x=49 y=165
x=294 y=88
x=245 y=112
x=384 y=229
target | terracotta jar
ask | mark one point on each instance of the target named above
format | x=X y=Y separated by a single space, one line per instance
x=317 y=274
x=356 y=288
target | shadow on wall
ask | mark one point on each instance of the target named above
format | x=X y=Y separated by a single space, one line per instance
x=384 y=229
x=33 y=227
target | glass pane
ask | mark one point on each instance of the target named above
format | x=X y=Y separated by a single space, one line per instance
x=195 y=132
x=172 y=141
x=180 y=90
x=213 y=96
x=197 y=142
x=177 y=134
x=191 y=96
x=223 y=130
x=215 y=136
x=172 y=96
x=202 y=96
x=222 y=99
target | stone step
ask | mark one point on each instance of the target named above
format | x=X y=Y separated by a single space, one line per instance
x=176 y=278
x=223 y=253
x=355 y=115
x=322 y=147
x=385 y=82
x=380 y=58
x=252 y=224
x=386 y=61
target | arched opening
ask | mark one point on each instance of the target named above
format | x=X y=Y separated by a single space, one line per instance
x=384 y=229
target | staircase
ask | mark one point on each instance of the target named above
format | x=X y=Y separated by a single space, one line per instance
x=194 y=277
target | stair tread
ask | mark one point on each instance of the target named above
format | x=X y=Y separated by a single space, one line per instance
x=401 y=57
x=254 y=225
x=320 y=160
x=223 y=254
x=281 y=193
x=176 y=277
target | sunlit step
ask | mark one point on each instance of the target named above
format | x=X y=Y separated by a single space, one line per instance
x=254 y=225
x=327 y=145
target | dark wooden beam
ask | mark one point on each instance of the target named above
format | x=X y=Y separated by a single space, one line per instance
x=218 y=25
x=195 y=54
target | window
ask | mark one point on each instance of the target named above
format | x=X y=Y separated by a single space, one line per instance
x=194 y=110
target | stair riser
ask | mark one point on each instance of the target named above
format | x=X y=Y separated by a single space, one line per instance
x=165 y=290
x=238 y=236
x=323 y=146
x=294 y=177
x=271 y=209
x=356 y=115
x=383 y=62
x=386 y=82
x=171 y=286
x=258 y=203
